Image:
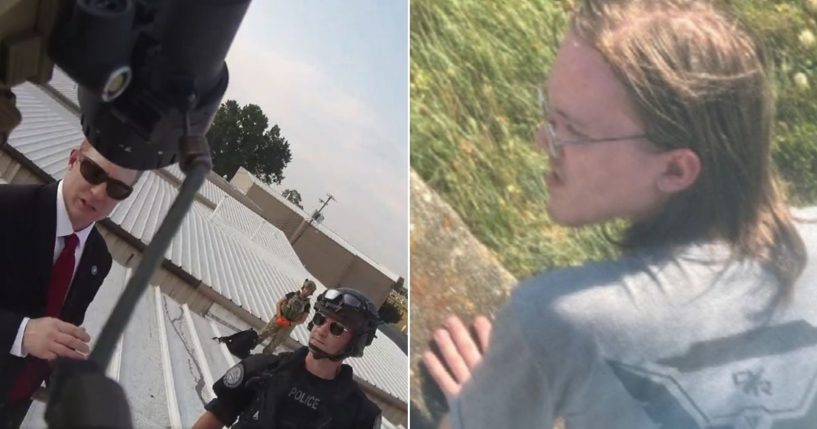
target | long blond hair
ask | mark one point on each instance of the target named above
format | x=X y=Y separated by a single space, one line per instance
x=700 y=80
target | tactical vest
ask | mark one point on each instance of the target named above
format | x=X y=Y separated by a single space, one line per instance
x=346 y=405
x=294 y=307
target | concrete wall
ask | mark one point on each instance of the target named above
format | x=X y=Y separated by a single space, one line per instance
x=12 y=171
x=332 y=262
x=274 y=210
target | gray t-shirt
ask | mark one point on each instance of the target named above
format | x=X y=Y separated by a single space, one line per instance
x=681 y=340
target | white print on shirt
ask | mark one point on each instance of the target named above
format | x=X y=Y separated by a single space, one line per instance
x=761 y=379
x=310 y=401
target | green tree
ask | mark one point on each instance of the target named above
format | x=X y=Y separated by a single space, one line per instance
x=239 y=138
x=293 y=196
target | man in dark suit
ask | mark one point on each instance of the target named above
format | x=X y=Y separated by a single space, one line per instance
x=52 y=262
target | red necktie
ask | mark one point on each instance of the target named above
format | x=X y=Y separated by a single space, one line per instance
x=36 y=370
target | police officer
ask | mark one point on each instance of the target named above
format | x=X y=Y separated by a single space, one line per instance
x=308 y=388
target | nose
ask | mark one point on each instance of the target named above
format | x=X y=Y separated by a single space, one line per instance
x=541 y=137
x=99 y=191
x=322 y=330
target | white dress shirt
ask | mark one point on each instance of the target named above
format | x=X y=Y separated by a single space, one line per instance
x=64 y=228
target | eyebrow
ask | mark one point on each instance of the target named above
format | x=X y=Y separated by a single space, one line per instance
x=546 y=92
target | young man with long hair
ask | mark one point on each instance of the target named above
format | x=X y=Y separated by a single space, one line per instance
x=659 y=113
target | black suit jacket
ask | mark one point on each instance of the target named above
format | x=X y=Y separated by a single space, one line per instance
x=28 y=225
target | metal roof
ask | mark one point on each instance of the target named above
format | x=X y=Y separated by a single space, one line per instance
x=269 y=238
x=63 y=84
x=228 y=250
x=209 y=192
x=166 y=360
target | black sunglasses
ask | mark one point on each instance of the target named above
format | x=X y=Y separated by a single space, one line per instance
x=335 y=328
x=94 y=174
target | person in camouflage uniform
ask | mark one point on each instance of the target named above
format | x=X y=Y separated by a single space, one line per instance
x=290 y=311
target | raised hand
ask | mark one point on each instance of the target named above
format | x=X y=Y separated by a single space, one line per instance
x=460 y=351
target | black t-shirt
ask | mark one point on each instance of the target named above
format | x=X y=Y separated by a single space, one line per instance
x=290 y=397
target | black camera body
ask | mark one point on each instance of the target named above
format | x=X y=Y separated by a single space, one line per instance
x=149 y=71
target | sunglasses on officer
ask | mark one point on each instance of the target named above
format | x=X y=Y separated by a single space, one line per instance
x=335 y=328
x=94 y=174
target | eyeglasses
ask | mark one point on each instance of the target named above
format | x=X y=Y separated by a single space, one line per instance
x=555 y=144
x=94 y=174
x=334 y=327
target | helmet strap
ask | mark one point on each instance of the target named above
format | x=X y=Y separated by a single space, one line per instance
x=319 y=354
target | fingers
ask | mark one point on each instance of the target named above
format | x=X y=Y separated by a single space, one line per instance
x=72 y=342
x=62 y=339
x=466 y=347
x=63 y=351
x=452 y=355
x=440 y=374
x=459 y=351
x=482 y=327
x=73 y=330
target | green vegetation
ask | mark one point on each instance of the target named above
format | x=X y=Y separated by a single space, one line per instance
x=475 y=65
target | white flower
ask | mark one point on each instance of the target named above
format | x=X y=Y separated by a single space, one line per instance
x=801 y=81
x=811 y=5
x=807 y=38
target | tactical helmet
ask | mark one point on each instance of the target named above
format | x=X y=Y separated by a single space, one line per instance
x=355 y=311
x=309 y=285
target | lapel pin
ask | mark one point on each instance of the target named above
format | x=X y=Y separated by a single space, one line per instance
x=93 y=270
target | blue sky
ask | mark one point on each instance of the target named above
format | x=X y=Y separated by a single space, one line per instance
x=333 y=74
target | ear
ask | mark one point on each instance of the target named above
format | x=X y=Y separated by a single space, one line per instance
x=681 y=170
x=73 y=157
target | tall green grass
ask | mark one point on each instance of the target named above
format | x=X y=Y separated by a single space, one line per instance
x=475 y=65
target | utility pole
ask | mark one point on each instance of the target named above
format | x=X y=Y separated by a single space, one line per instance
x=317 y=213
x=304 y=225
